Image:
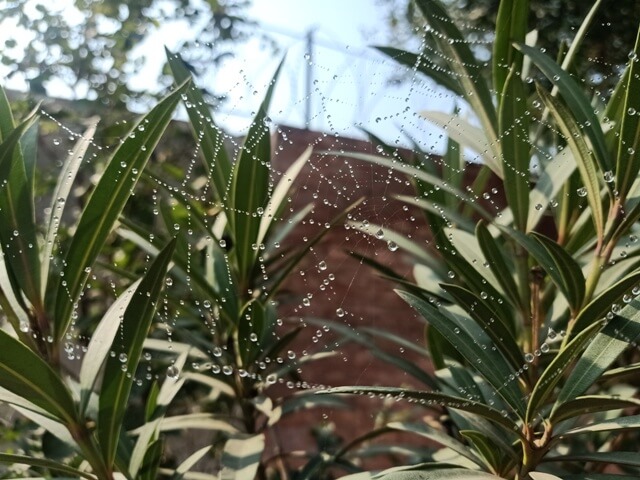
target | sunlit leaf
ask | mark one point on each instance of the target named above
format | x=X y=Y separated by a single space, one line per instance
x=514 y=141
x=105 y=205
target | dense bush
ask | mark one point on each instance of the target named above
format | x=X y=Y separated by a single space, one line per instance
x=529 y=309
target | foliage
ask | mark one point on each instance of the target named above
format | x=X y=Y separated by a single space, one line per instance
x=556 y=25
x=530 y=310
x=90 y=47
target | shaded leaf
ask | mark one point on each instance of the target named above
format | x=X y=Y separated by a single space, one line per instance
x=135 y=325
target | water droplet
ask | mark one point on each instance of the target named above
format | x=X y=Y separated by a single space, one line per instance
x=16 y=233
x=271 y=378
x=173 y=372
x=451 y=274
x=322 y=265
x=123 y=357
x=582 y=192
x=24 y=327
x=340 y=312
x=608 y=176
x=528 y=357
x=538 y=206
x=227 y=370
x=544 y=348
x=392 y=246
x=222 y=243
x=169 y=281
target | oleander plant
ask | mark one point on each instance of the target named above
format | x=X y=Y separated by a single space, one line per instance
x=529 y=285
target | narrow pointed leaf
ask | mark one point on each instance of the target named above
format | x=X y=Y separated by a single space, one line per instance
x=460 y=59
x=631 y=422
x=487 y=361
x=423 y=64
x=628 y=147
x=44 y=463
x=612 y=458
x=467 y=135
x=481 y=311
x=497 y=261
x=555 y=175
x=437 y=436
x=599 y=306
x=514 y=140
x=241 y=457
x=434 y=399
x=573 y=94
x=559 y=265
x=136 y=321
x=591 y=404
x=206 y=133
x=25 y=374
x=106 y=203
x=101 y=343
x=17 y=220
x=602 y=352
x=548 y=380
x=276 y=200
x=511 y=26
x=250 y=186
x=582 y=154
x=60 y=195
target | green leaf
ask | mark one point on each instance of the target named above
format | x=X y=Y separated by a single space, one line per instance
x=61 y=194
x=614 y=338
x=241 y=457
x=423 y=64
x=277 y=198
x=613 y=458
x=207 y=134
x=487 y=361
x=136 y=321
x=44 y=463
x=101 y=343
x=555 y=175
x=437 y=436
x=483 y=313
x=559 y=265
x=435 y=474
x=467 y=135
x=554 y=371
x=431 y=399
x=17 y=223
x=250 y=187
x=24 y=373
x=514 y=140
x=486 y=447
x=599 y=306
x=151 y=463
x=105 y=205
x=583 y=155
x=573 y=95
x=591 y=404
x=631 y=422
x=628 y=148
x=511 y=26
x=494 y=254
x=189 y=462
x=460 y=59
